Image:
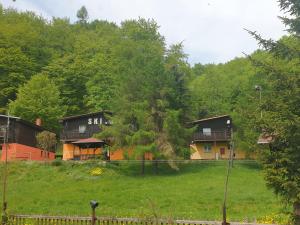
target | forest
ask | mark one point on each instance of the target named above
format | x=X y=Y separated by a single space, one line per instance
x=58 y=69
x=51 y=69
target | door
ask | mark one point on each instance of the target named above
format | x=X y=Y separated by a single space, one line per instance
x=222 y=151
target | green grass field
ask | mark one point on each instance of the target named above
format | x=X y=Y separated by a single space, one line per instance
x=195 y=191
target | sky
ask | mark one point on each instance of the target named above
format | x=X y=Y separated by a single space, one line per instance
x=212 y=31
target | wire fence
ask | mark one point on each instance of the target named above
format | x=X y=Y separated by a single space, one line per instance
x=179 y=161
x=67 y=220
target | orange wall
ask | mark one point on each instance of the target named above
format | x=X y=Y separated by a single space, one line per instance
x=119 y=154
x=23 y=152
x=70 y=150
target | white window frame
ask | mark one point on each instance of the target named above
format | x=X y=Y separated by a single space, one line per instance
x=207 y=148
x=206 y=131
x=82 y=129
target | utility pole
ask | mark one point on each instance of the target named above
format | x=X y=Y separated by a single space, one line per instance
x=229 y=166
x=5 y=144
x=259 y=88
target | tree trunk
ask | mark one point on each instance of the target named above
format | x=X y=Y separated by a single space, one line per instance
x=155 y=166
x=297 y=213
x=143 y=165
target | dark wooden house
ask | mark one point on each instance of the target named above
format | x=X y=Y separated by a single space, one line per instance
x=212 y=137
x=77 y=135
x=213 y=129
x=22 y=143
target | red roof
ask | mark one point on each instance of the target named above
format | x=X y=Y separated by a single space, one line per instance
x=88 y=140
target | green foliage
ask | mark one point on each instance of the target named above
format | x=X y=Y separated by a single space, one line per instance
x=82 y=14
x=15 y=69
x=151 y=91
x=38 y=98
x=46 y=140
x=281 y=112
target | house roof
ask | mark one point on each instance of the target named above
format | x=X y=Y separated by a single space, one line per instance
x=209 y=118
x=265 y=139
x=83 y=115
x=13 y=117
x=88 y=141
x=19 y=119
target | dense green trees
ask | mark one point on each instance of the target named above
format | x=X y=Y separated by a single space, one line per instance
x=281 y=111
x=151 y=99
x=38 y=98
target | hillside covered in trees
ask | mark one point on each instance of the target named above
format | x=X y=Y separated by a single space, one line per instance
x=51 y=69
x=56 y=68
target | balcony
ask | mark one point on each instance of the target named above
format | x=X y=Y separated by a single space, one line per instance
x=222 y=135
x=75 y=135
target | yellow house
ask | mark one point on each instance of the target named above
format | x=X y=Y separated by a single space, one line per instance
x=212 y=139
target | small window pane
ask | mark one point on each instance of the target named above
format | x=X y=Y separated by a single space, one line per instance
x=82 y=128
x=207 y=148
x=207 y=131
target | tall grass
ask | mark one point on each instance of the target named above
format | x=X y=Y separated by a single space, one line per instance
x=194 y=192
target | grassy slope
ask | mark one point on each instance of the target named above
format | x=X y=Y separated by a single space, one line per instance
x=196 y=191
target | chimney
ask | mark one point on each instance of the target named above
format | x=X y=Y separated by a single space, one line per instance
x=38 y=122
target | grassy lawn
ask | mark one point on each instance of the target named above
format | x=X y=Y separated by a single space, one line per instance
x=196 y=191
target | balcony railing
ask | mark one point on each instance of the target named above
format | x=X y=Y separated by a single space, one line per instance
x=213 y=136
x=74 y=135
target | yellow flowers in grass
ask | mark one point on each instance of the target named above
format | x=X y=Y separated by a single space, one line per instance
x=275 y=219
x=96 y=171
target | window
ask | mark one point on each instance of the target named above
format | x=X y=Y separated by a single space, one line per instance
x=207 y=148
x=2 y=130
x=207 y=131
x=82 y=129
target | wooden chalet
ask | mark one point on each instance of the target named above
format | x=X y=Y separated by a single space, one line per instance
x=78 y=141
x=21 y=140
x=212 y=138
x=77 y=136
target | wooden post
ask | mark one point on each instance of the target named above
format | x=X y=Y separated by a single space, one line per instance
x=93 y=216
x=143 y=164
x=4 y=216
x=94 y=205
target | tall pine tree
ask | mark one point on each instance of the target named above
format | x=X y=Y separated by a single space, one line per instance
x=281 y=111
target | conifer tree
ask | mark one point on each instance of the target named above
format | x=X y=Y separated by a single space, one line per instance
x=281 y=111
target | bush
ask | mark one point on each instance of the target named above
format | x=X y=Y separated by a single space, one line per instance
x=56 y=162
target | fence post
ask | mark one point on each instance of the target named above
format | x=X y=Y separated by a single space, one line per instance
x=4 y=216
x=94 y=205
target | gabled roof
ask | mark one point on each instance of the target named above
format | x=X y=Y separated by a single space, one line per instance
x=210 y=118
x=11 y=117
x=83 y=115
x=30 y=124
